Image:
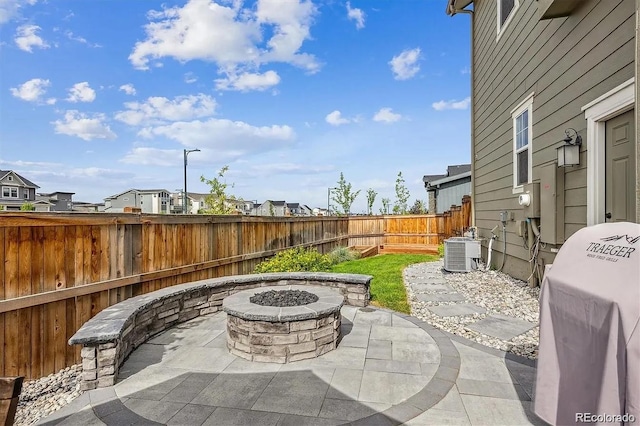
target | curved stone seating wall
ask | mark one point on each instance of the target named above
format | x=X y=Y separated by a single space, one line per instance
x=108 y=338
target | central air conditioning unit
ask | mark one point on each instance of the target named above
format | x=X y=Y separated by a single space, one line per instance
x=461 y=254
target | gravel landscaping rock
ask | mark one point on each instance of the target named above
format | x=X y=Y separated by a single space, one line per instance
x=497 y=292
x=41 y=397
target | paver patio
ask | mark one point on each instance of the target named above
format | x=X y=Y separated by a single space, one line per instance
x=389 y=369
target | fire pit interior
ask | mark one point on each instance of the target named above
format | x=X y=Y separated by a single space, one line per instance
x=283 y=323
x=282 y=298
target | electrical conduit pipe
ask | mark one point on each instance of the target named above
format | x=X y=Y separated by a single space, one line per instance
x=493 y=237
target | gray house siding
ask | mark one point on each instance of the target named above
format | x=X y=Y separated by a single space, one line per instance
x=451 y=193
x=127 y=199
x=567 y=63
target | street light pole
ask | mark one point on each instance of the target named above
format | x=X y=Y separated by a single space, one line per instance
x=184 y=195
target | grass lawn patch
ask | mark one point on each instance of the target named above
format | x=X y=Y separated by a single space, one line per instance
x=387 y=288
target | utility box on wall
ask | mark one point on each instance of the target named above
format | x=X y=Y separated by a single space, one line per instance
x=530 y=200
x=552 y=204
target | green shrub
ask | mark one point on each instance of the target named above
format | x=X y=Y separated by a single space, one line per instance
x=27 y=207
x=342 y=254
x=295 y=260
x=441 y=250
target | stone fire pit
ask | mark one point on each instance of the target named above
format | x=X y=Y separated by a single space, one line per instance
x=283 y=334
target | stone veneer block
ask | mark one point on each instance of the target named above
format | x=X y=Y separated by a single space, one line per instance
x=283 y=334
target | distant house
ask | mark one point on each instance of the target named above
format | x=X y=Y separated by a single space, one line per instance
x=245 y=207
x=195 y=201
x=273 y=208
x=319 y=211
x=155 y=201
x=85 y=207
x=297 y=209
x=59 y=201
x=17 y=190
x=446 y=190
x=306 y=210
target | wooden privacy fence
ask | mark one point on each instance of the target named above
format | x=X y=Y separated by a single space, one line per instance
x=59 y=270
x=411 y=229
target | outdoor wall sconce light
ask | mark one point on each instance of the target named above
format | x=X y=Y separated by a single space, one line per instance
x=569 y=153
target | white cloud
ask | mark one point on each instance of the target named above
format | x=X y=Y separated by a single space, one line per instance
x=221 y=139
x=356 y=15
x=229 y=35
x=190 y=78
x=79 y=39
x=9 y=8
x=147 y=156
x=248 y=81
x=26 y=38
x=20 y=163
x=465 y=70
x=335 y=118
x=404 y=65
x=385 y=115
x=159 y=109
x=83 y=126
x=291 y=22
x=290 y=168
x=81 y=92
x=32 y=91
x=452 y=104
x=128 y=89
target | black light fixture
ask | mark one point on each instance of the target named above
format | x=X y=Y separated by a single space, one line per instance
x=569 y=153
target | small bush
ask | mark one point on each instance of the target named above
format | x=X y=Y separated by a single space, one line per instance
x=27 y=207
x=295 y=260
x=441 y=250
x=342 y=254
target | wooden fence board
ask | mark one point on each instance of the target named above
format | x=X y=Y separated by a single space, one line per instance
x=67 y=268
x=3 y=349
x=11 y=344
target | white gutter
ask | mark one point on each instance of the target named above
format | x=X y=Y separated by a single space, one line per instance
x=453 y=7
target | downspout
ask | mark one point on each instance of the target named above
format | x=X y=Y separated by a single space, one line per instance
x=451 y=10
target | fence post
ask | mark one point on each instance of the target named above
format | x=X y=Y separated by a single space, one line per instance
x=10 y=388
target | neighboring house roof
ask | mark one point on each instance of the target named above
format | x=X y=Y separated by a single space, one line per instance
x=454 y=5
x=139 y=191
x=86 y=203
x=457 y=169
x=6 y=202
x=449 y=179
x=293 y=205
x=111 y=197
x=51 y=194
x=152 y=191
x=25 y=181
x=429 y=178
x=453 y=170
x=278 y=203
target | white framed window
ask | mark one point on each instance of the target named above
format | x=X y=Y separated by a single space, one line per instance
x=506 y=9
x=522 y=117
x=26 y=194
x=9 y=192
x=10 y=178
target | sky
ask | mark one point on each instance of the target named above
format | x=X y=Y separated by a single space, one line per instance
x=97 y=97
